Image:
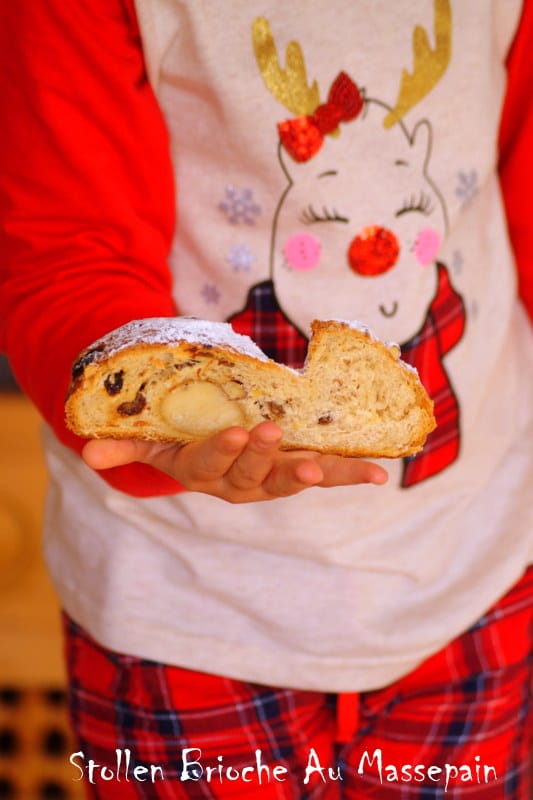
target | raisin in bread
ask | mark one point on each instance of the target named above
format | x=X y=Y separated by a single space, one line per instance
x=182 y=379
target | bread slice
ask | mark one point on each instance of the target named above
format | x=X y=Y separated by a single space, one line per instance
x=182 y=379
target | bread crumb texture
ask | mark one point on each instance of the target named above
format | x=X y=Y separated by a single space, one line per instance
x=182 y=379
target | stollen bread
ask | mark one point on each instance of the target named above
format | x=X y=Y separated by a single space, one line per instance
x=182 y=379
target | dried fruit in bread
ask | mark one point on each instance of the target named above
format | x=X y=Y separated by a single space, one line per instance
x=182 y=379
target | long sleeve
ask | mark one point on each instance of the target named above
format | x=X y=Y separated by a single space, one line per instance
x=516 y=149
x=86 y=197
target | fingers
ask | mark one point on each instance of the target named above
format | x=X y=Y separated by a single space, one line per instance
x=261 y=471
x=292 y=474
x=106 y=453
x=202 y=463
x=240 y=466
x=205 y=460
x=340 y=471
x=300 y=470
x=256 y=460
x=244 y=467
x=237 y=465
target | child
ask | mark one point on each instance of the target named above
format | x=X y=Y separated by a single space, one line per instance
x=339 y=160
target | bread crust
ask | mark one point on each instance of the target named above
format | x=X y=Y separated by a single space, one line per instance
x=180 y=380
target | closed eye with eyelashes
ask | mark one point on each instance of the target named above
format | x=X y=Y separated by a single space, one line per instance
x=309 y=216
x=422 y=205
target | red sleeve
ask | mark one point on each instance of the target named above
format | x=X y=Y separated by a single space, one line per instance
x=516 y=152
x=86 y=197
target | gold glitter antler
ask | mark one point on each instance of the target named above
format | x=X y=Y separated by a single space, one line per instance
x=288 y=85
x=429 y=65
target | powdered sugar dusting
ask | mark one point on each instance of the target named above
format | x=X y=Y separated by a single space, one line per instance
x=170 y=330
x=360 y=326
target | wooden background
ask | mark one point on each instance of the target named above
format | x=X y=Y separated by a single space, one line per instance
x=35 y=740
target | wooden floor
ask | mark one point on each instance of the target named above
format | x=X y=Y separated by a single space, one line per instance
x=35 y=740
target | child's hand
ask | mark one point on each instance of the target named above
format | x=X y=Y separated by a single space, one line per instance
x=236 y=465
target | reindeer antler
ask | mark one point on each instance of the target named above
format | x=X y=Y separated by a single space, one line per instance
x=288 y=85
x=429 y=65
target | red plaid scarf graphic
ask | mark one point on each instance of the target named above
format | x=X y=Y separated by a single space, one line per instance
x=263 y=320
x=442 y=330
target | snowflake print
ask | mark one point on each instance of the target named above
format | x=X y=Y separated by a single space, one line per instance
x=211 y=293
x=467 y=186
x=241 y=258
x=239 y=206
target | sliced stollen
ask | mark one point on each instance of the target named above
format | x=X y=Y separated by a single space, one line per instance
x=182 y=379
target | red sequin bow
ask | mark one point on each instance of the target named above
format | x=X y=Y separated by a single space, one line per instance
x=303 y=136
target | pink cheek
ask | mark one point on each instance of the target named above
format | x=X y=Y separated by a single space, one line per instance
x=302 y=251
x=427 y=246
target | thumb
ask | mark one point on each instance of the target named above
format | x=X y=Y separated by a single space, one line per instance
x=107 y=453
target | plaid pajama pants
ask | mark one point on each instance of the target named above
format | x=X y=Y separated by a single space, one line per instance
x=458 y=726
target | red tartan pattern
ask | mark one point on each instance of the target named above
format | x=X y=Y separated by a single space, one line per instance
x=263 y=320
x=442 y=330
x=471 y=699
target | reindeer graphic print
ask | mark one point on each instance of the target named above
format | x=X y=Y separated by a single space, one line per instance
x=365 y=254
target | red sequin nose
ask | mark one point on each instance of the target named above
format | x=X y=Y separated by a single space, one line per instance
x=373 y=251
